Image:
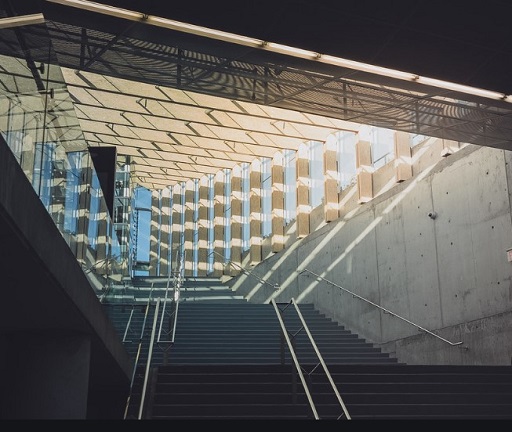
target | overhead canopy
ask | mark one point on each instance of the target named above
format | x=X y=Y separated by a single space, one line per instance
x=184 y=103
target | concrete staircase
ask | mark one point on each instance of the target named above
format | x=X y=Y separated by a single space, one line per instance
x=229 y=361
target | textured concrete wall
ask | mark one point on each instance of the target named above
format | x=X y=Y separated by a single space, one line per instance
x=448 y=275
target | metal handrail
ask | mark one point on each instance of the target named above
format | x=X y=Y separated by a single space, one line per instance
x=148 y=364
x=247 y=272
x=382 y=308
x=295 y=361
x=128 y=325
x=177 y=281
x=320 y=358
x=136 y=363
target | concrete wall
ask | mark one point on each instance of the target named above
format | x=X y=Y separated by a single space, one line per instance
x=449 y=275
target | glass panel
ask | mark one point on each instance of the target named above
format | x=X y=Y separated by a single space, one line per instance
x=346 y=158
x=38 y=122
x=383 y=146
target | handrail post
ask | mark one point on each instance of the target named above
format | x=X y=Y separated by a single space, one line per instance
x=148 y=365
x=295 y=361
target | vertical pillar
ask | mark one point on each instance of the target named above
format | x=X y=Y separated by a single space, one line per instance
x=364 y=171
x=449 y=147
x=27 y=156
x=403 y=161
x=189 y=227
x=303 y=206
x=165 y=232
x=154 y=237
x=177 y=210
x=102 y=243
x=84 y=202
x=236 y=220
x=331 y=199
x=255 y=212
x=277 y=203
x=58 y=185
x=219 y=222
x=202 y=228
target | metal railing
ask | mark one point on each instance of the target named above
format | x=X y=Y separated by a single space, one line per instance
x=178 y=277
x=382 y=308
x=148 y=364
x=295 y=360
x=139 y=349
x=320 y=359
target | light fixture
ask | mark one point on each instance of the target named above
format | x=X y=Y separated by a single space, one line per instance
x=22 y=20
x=277 y=48
x=364 y=67
x=101 y=8
x=461 y=88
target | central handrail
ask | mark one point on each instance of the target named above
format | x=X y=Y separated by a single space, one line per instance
x=137 y=357
x=295 y=361
x=382 y=308
x=320 y=358
x=178 y=277
x=148 y=364
x=247 y=272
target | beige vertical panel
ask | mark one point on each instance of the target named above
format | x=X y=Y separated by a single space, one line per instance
x=102 y=244
x=165 y=232
x=154 y=233
x=202 y=227
x=449 y=147
x=236 y=220
x=189 y=227
x=277 y=203
x=219 y=223
x=403 y=161
x=84 y=202
x=176 y=229
x=331 y=206
x=255 y=211
x=364 y=171
x=27 y=156
x=303 y=206
x=58 y=185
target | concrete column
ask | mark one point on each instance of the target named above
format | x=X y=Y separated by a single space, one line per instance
x=58 y=186
x=165 y=232
x=236 y=220
x=27 y=157
x=84 y=202
x=331 y=206
x=255 y=212
x=202 y=227
x=449 y=147
x=303 y=206
x=154 y=239
x=364 y=171
x=403 y=161
x=102 y=244
x=189 y=227
x=219 y=223
x=176 y=229
x=277 y=238
x=48 y=376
